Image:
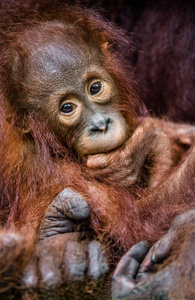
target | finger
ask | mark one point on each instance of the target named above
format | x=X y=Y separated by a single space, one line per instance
x=186 y=140
x=147 y=264
x=123 y=175
x=49 y=228
x=123 y=281
x=72 y=205
x=128 y=180
x=50 y=263
x=99 y=161
x=50 y=253
x=138 y=251
x=130 y=262
x=137 y=254
x=75 y=261
x=29 y=279
x=98 y=266
x=163 y=249
x=12 y=247
x=122 y=267
x=183 y=219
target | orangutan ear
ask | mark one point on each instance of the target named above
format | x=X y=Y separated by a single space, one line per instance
x=15 y=123
x=25 y=130
x=105 y=48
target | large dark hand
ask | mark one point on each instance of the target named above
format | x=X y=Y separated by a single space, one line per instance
x=65 y=255
x=166 y=272
x=65 y=214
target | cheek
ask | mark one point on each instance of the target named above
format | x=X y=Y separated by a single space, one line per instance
x=101 y=141
x=66 y=129
x=67 y=135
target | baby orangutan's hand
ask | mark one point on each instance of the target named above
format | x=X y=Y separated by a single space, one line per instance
x=124 y=166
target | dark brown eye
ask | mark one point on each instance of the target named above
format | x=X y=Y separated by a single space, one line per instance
x=67 y=108
x=95 y=88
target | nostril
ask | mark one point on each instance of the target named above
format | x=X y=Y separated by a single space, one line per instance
x=100 y=125
x=103 y=126
x=108 y=122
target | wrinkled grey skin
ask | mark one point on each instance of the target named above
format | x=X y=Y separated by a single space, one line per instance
x=142 y=274
x=63 y=254
x=166 y=272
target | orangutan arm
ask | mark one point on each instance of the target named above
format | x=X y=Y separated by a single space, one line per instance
x=168 y=268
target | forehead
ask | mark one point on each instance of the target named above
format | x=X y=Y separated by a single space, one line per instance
x=55 y=53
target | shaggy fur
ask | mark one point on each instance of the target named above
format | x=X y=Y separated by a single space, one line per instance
x=30 y=179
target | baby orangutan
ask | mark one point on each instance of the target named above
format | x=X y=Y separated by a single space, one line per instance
x=73 y=130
